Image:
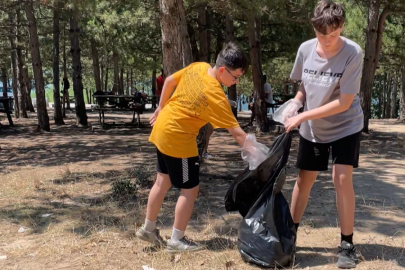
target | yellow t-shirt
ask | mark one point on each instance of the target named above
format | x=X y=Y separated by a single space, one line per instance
x=198 y=99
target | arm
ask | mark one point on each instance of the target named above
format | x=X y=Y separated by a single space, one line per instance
x=337 y=106
x=238 y=134
x=301 y=94
x=168 y=88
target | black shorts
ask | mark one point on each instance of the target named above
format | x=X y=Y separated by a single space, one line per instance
x=315 y=156
x=183 y=172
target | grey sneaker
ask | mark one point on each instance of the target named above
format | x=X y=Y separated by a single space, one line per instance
x=183 y=245
x=347 y=256
x=151 y=237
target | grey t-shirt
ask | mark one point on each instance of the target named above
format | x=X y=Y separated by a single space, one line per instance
x=324 y=80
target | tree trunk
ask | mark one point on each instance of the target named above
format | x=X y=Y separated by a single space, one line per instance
x=4 y=80
x=402 y=104
x=127 y=83
x=388 y=102
x=203 y=33
x=57 y=113
x=230 y=36
x=381 y=84
x=29 y=106
x=81 y=116
x=132 y=82
x=96 y=64
x=106 y=78
x=65 y=74
x=176 y=46
x=43 y=119
x=101 y=75
x=254 y=29
x=16 y=85
x=193 y=42
x=116 y=87
x=394 y=93
x=121 y=81
x=375 y=27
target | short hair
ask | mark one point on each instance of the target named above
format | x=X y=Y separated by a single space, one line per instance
x=264 y=77
x=232 y=57
x=328 y=14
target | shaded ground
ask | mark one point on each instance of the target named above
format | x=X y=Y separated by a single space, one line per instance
x=56 y=189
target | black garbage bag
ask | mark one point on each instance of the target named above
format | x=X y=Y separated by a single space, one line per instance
x=267 y=233
x=248 y=185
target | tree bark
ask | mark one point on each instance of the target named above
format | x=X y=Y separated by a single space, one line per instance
x=116 y=87
x=176 y=48
x=375 y=27
x=121 y=81
x=16 y=85
x=402 y=103
x=81 y=116
x=106 y=78
x=29 y=106
x=127 y=83
x=381 y=84
x=4 y=80
x=65 y=75
x=388 y=102
x=96 y=64
x=230 y=36
x=43 y=119
x=203 y=33
x=57 y=113
x=394 y=93
x=254 y=29
x=193 y=42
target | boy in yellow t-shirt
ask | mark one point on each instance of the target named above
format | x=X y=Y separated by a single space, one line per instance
x=198 y=99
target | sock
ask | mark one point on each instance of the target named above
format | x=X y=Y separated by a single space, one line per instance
x=177 y=234
x=150 y=226
x=296 y=226
x=347 y=238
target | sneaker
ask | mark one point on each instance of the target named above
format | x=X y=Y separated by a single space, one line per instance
x=183 y=245
x=151 y=237
x=206 y=155
x=347 y=256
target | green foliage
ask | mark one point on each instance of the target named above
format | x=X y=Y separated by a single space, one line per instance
x=123 y=188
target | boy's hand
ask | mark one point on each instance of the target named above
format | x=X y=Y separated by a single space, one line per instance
x=254 y=152
x=153 y=118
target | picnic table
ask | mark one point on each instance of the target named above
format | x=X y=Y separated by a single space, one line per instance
x=107 y=102
x=6 y=106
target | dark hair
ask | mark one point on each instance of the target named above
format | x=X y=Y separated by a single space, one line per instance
x=232 y=57
x=264 y=77
x=328 y=14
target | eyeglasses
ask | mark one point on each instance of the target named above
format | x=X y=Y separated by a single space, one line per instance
x=234 y=77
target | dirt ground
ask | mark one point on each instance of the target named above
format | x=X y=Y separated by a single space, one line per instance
x=57 y=209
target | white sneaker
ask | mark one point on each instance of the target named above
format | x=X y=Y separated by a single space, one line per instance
x=183 y=245
x=151 y=237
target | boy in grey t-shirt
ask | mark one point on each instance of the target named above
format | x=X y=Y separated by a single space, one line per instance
x=329 y=67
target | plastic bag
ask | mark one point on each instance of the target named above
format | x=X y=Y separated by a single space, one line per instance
x=253 y=153
x=287 y=110
x=267 y=234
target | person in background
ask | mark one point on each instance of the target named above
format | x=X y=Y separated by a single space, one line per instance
x=159 y=83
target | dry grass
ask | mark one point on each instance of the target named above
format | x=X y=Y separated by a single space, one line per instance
x=73 y=220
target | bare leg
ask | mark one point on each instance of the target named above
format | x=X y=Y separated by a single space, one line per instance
x=157 y=195
x=301 y=192
x=184 y=207
x=345 y=198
